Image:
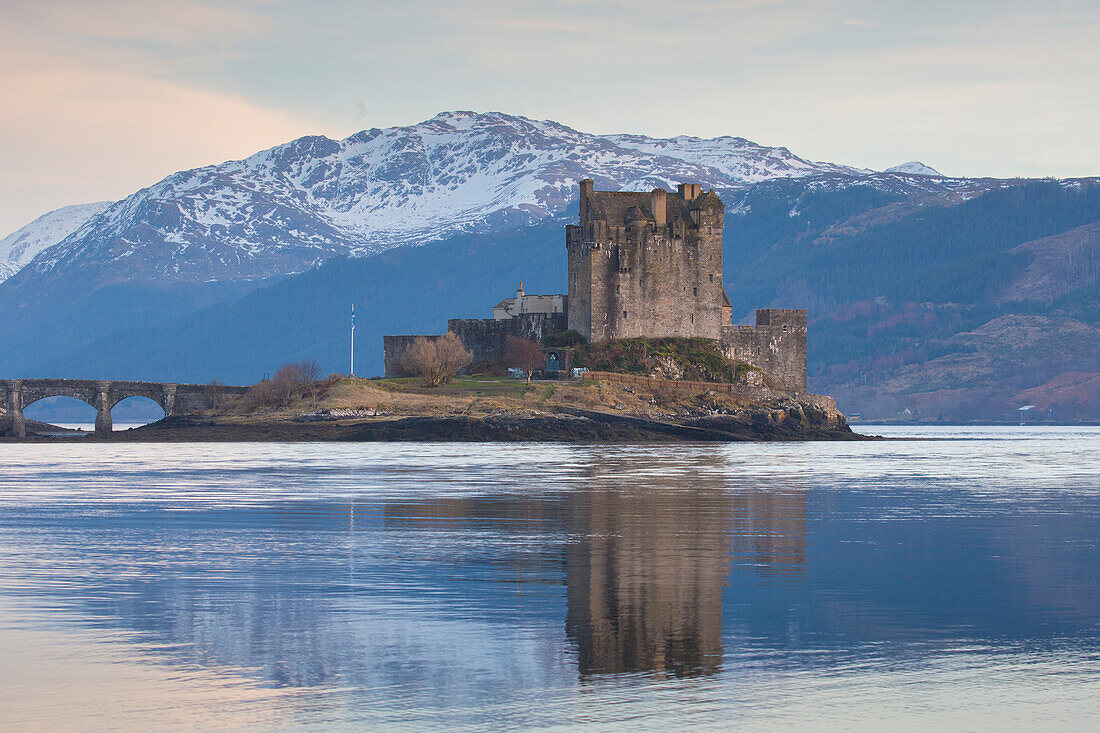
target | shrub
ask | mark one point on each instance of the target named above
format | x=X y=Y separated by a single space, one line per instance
x=564 y=338
x=289 y=382
x=695 y=358
x=435 y=360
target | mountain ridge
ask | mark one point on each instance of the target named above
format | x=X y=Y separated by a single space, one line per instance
x=286 y=209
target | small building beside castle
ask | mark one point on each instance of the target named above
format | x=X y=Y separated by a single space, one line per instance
x=523 y=304
x=641 y=265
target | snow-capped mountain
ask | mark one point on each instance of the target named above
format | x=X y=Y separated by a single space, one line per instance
x=914 y=168
x=24 y=244
x=287 y=209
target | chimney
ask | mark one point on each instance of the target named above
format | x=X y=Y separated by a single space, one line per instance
x=690 y=191
x=586 y=191
x=659 y=206
x=519 y=293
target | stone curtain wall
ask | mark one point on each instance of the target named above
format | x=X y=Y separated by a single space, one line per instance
x=776 y=346
x=484 y=338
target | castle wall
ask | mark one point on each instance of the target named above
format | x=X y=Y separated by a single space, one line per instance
x=776 y=345
x=484 y=338
x=580 y=280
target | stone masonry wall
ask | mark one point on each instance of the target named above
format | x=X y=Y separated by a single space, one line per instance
x=776 y=345
x=484 y=338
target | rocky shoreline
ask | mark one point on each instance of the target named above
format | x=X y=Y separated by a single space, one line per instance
x=791 y=420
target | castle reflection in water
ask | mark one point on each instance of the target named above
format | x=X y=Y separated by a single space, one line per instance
x=646 y=559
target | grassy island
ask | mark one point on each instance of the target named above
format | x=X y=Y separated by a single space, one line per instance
x=488 y=408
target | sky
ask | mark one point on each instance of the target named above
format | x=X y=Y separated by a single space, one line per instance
x=103 y=98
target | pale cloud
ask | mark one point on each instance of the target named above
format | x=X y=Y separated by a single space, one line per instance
x=181 y=22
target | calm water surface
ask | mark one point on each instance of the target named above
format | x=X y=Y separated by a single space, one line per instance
x=952 y=582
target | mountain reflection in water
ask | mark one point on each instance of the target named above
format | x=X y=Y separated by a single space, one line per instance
x=449 y=585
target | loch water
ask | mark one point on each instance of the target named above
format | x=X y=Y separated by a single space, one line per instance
x=948 y=580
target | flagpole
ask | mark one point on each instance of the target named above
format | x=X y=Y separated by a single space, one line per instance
x=353 y=339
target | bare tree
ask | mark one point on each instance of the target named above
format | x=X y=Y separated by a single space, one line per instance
x=452 y=354
x=284 y=382
x=523 y=354
x=436 y=360
x=292 y=380
x=309 y=372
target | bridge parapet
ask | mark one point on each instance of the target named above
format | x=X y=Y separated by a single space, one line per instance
x=103 y=395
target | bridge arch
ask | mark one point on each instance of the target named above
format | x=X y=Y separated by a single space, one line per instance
x=144 y=407
x=173 y=398
x=58 y=409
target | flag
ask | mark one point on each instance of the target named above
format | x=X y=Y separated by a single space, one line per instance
x=353 y=315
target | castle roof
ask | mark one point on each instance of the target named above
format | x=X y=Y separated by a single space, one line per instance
x=618 y=206
x=710 y=198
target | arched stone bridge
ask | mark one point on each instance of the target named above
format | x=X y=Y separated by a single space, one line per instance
x=174 y=399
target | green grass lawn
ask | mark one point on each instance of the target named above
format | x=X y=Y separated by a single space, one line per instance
x=472 y=384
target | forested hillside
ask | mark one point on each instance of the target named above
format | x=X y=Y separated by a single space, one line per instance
x=942 y=311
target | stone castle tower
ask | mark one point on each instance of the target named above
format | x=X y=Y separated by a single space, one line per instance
x=647 y=264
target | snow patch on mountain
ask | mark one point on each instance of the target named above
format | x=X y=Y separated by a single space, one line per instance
x=25 y=243
x=914 y=168
x=742 y=161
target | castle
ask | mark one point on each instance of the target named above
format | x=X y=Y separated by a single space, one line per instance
x=642 y=265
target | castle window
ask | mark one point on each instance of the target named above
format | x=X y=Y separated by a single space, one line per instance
x=784 y=329
x=618 y=289
x=695 y=291
x=624 y=314
x=711 y=277
x=693 y=318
